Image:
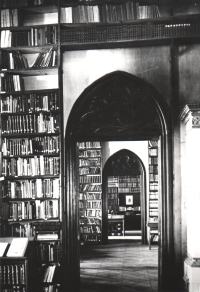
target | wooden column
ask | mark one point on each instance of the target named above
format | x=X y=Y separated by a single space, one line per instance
x=190 y=117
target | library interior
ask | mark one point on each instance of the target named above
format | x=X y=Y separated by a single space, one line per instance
x=100 y=138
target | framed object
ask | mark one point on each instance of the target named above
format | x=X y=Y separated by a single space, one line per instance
x=129 y=199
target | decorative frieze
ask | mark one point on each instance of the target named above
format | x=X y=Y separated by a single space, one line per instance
x=190 y=116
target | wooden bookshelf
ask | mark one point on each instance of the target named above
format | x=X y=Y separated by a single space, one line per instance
x=90 y=192
x=153 y=181
x=31 y=131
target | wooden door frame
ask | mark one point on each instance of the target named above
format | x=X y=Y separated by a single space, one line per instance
x=143 y=196
x=70 y=218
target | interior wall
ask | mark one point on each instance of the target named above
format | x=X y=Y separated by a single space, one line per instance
x=81 y=68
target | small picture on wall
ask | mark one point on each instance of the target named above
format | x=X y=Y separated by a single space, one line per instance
x=129 y=200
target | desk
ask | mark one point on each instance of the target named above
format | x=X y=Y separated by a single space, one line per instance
x=116 y=219
x=153 y=230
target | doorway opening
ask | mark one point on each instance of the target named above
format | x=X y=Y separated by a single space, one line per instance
x=118 y=107
x=124 y=194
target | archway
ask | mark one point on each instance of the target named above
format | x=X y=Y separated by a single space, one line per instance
x=124 y=162
x=118 y=106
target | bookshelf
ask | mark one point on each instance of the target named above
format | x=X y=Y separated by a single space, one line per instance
x=118 y=22
x=153 y=193
x=153 y=180
x=90 y=192
x=31 y=132
x=16 y=270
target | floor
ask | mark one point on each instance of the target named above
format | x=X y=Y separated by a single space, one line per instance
x=120 y=266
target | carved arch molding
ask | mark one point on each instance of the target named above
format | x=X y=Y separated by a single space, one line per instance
x=124 y=162
x=119 y=108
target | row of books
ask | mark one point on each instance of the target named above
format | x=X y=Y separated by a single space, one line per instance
x=127 y=32
x=89 y=170
x=92 y=162
x=30 y=37
x=90 y=196
x=129 y=184
x=32 y=189
x=16 y=60
x=113 y=184
x=27 y=146
x=153 y=152
x=30 y=102
x=90 y=188
x=90 y=213
x=112 y=195
x=153 y=177
x=22 y=3
x=112 y=202
x=16 y=229
x=11 y=83
x=32 y=123
x=89 y=221
x=51 y=288
x=48 y=251
x=50 y=273
x=86 y=145
x=153 y=204
x=108 y=12
x=153 y=160
x=89 y=153
x=129 y=190
x=90 y=179
x=153 y=196
x=90 y=204
x=129 y=179
x=93 y=238
x=112 y=179
x=153 y=168
x=10 y=17
x=153 y=213
x=30 y=210
x=14 y=289
x=31 y=166
x=112 y=190
x=153 y=186
x=90 y=229
x=13 y=274
x=46 y=59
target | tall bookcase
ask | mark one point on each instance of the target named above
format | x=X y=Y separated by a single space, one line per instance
x=31 y=129
x=153 y=180
x=90 y=192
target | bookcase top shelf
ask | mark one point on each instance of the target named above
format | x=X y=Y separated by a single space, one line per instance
x=91 y=2
x=27 y=27
x=33 y=71
x=48 y=90
x=30 y=49
x=28 y=135
x=30 y=177
x=130 y=43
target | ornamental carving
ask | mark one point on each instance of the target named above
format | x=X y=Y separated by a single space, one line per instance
x=118 y=108
x=196 y=121
x=124 y=162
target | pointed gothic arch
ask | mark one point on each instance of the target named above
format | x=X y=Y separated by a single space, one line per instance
x=118 y=107
x=124 y=162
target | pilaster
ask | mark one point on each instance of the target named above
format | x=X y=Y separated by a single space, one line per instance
x=190 y=117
